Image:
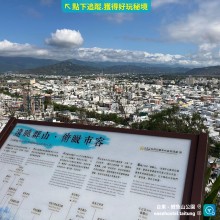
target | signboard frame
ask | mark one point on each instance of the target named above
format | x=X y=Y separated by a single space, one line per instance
x=194 y=181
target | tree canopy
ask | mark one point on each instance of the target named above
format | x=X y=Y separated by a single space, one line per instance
x=169 y=120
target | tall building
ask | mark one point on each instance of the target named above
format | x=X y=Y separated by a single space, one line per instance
x=190 y=81
x=159 y=82
x=32 y=103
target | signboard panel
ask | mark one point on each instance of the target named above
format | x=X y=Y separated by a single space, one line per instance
x=55 y=172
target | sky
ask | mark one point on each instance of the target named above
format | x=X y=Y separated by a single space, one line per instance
x=174 y=32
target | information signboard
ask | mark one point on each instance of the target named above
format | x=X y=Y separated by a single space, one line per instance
x=51 y=171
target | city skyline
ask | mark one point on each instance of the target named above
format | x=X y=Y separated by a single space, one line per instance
x=175 y=32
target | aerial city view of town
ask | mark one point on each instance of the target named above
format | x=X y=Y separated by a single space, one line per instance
x=155 y=71
x=124 y=100
x=118 y=100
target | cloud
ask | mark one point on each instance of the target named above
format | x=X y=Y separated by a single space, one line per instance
x=8 y=48
x=202 y=58
x=199 y=27
x=158 y=3
x=65 y=38
x=144 y=39
x=207 y=47
x=119 y=17
x=34 y=13
x=125 y=55
x=46 y=2
x=202 y=28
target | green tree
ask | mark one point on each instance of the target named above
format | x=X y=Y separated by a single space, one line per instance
x=212 y=196
x=215 y=150
x=169 y=120
x=49 y=91
x=59 y=107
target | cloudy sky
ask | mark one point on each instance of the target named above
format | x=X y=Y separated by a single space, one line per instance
x=184 y=32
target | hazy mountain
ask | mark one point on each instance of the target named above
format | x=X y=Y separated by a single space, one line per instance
x=62 y=68
x=73 y=66
x=20 y=63
x=105 y=64
x=205 y=71
x=148 y=69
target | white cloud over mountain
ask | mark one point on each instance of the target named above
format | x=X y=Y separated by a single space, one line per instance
x=115 y=55
x=65 y=38
x=8 y=48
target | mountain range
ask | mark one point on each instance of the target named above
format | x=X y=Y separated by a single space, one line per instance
x=27 y=65
x=20 y=63
x=205 y=71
